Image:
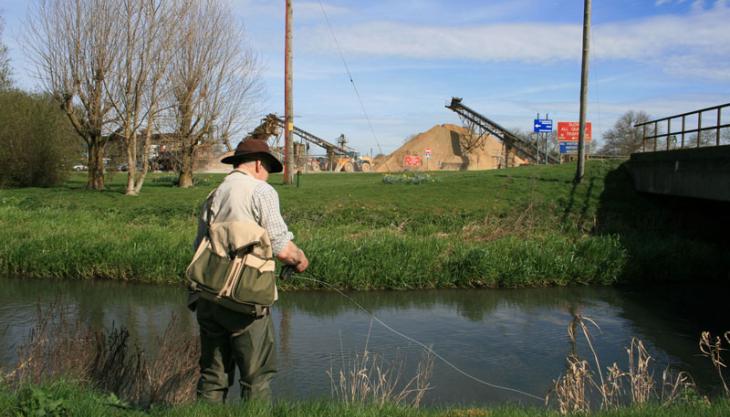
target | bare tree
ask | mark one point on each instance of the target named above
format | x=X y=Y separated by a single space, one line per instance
x=213 y=78
x=624 y=138
x=74 y=46
x=239 y=109
x=135 y=88
x=475 y=139
x=5 y=80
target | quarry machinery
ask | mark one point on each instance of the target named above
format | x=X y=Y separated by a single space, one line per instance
x=512 y=143
x=340 y=157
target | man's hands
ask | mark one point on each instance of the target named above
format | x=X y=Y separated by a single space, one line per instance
x=292 y=255
x=304 y=263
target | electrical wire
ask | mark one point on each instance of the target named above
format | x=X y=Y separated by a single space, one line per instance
x=349 y=76
x=422 y=345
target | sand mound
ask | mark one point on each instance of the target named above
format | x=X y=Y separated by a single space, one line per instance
x=445 y=142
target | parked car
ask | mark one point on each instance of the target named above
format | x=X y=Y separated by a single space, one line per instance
x=80 y=167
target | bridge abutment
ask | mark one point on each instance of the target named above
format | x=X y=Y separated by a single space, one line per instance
x=694 y=172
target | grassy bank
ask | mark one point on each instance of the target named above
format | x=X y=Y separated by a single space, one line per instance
x=70 y=399
x=526 y=226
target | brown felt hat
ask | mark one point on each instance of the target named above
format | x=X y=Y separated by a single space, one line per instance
x=254 y=150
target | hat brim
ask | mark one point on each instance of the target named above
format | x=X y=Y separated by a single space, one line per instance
x=272 y=162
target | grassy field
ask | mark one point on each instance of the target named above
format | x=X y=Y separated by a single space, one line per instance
x=527 y=226
x=69 y=399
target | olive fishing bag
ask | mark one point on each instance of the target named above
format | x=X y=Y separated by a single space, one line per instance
x=233 y=266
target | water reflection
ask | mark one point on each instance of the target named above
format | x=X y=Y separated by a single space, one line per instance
x=516 y=338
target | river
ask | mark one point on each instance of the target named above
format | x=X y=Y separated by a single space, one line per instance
x=514 y=338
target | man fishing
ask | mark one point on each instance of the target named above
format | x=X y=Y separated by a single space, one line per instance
x=240 y=334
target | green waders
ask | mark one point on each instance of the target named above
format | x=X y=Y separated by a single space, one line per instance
x=229 y=339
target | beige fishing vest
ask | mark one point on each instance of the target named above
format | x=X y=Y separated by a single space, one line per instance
x=233 y=264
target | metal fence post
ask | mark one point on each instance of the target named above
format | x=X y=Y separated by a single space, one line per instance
x=699 y=128
x=719 y=118
x=669 y=131
x=683 y=118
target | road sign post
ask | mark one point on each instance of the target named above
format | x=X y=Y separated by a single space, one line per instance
x=542 y=127
x=570 y=131
x=569 y=135
x=568 y=147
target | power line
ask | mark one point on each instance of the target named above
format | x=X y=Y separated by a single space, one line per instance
x=349 y=76
x=421 y=344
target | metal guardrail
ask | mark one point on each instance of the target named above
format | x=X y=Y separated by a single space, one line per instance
x=656 y=128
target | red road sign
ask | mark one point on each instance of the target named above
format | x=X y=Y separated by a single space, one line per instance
x=412 y=161
x=569 y=131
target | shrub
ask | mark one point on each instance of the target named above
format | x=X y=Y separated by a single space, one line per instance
x=37 y=145
x=408 y=178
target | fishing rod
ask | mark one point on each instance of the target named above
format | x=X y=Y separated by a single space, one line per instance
x=288 y=272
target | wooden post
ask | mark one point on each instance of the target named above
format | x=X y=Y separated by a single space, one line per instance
x=288 y=103
x=584 y=91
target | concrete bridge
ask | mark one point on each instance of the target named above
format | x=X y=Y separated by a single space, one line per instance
x=685 y=162
x=694 y=172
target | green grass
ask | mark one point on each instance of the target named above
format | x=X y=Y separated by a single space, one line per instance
x=517 y=227
x=71 y=399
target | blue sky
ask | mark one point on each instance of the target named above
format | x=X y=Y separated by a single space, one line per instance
x=508 y=59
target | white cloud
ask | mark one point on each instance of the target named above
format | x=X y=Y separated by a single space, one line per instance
x=488 y=43
x=700 y=37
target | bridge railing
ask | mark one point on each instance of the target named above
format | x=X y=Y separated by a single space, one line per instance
x=697 y=128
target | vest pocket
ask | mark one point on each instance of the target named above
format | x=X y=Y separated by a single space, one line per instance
x=257 y=282
x=209 y=271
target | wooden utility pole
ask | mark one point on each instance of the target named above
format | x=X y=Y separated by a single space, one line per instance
x=288 y=102
x=583 y=91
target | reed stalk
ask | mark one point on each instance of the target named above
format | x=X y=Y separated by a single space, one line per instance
x=634 y=387
x=59 y=347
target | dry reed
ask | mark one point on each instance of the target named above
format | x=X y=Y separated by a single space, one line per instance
x=369 y=379
x=108 y=360
x=636 y=386
x=641 y=380
x=570 y=389
x=712 y=349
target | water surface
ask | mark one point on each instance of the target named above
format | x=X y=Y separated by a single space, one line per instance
x=515 y=338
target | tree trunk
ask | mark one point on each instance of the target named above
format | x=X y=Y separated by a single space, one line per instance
x=185 y=179
x=131 y=163
x=96 y=165
x=145 y=158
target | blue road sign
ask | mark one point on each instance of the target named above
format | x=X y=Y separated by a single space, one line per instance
x=543 y=125
x=568 y=147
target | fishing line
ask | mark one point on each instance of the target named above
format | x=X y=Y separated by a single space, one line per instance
x=423 y=345
x=352 y=81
